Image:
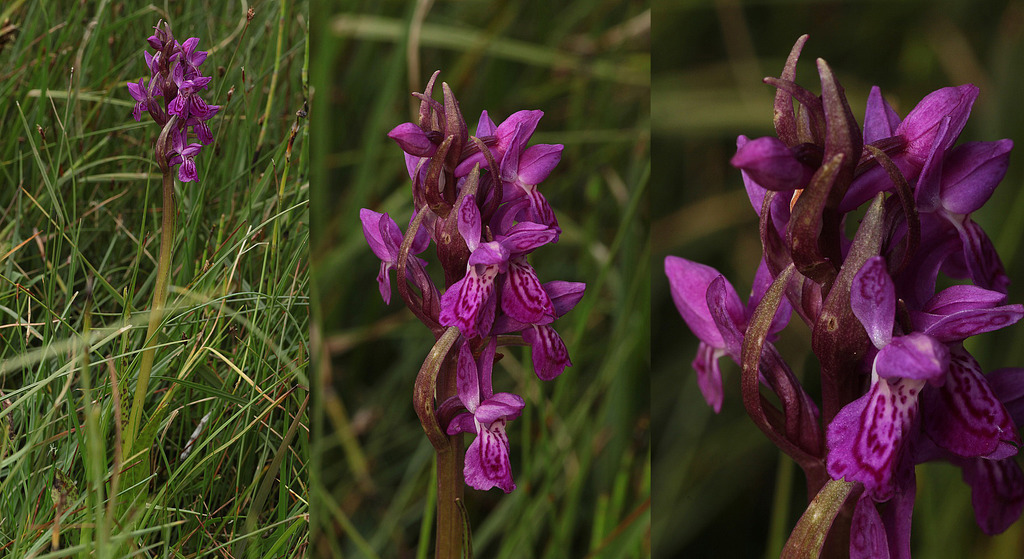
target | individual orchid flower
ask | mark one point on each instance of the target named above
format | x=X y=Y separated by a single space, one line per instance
x=471 y=302
x=487 y=462
x=548 y=352
x=694 y=287
x=929 y=131
x=500 y=138
x=952 y=187
x=385 y=239
x=868 y=439
x=522 y=169
x=185 y=156
x=140 y=93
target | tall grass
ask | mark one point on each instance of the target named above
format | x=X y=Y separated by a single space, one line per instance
x=723 y=489
x=580 y=452
x=79 y=235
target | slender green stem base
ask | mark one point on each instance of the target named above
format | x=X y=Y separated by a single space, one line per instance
x=449 y=491
x=156 y=314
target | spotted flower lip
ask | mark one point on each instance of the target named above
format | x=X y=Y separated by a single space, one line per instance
x=470 y=302
x=487 y=461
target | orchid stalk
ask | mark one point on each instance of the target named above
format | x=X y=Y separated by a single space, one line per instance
x=476 y=199
x=172 y=98
x=898 y=387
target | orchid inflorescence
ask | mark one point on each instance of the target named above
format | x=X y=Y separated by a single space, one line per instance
x=898 y=388
x=175 y=78
x=476 y=198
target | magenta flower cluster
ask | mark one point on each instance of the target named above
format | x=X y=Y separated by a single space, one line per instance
x=898 y=388
x=172 y=96
x=476 y=198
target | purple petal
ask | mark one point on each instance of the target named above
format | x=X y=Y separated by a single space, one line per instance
x=371 y=230
x=897 y=516
x=178 y=106
x=485 y=126
x=487 y=463
x=983 y=262
x=540 y=212
x=489 y=254
x=997 y=492
x=564 y=294
x=526 y=236
x=771 y=164
x=506 y=132
x=963 y=297
x=921 y=126
x=929 y=181
x=709 y=376
x=873 y=300
x=536 y=163
x=468 y=221
x=866 y=438
x=688 y=282
x=522 y=296
x=202 y=133
x=914 y=356
x=965 y=417
x=138 y=90
x=500 y=406
x=550 y=356
x=718 y=295
x=468 y=379
x=961 y=325
x=187 y=172
x=867 y=534
x=971 y=173
x=384 y=282
x=412 y=139
x=880 y=120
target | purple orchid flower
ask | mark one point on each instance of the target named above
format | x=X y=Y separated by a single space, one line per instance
x=548 y=352
x=185 y=156
x=868 y=440
x=385 y=239
x=929 y=130
x=713 y=311
x=898 y=387
x=471 y=302
x=140 y=93
x=500 y=138
x=485 y=215
x=487 y=463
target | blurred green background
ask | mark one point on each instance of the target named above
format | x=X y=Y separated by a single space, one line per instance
x=715 y=476
x=580 y=453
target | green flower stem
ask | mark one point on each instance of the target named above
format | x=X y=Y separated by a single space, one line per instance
x=156 y=314
x=440 y=365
